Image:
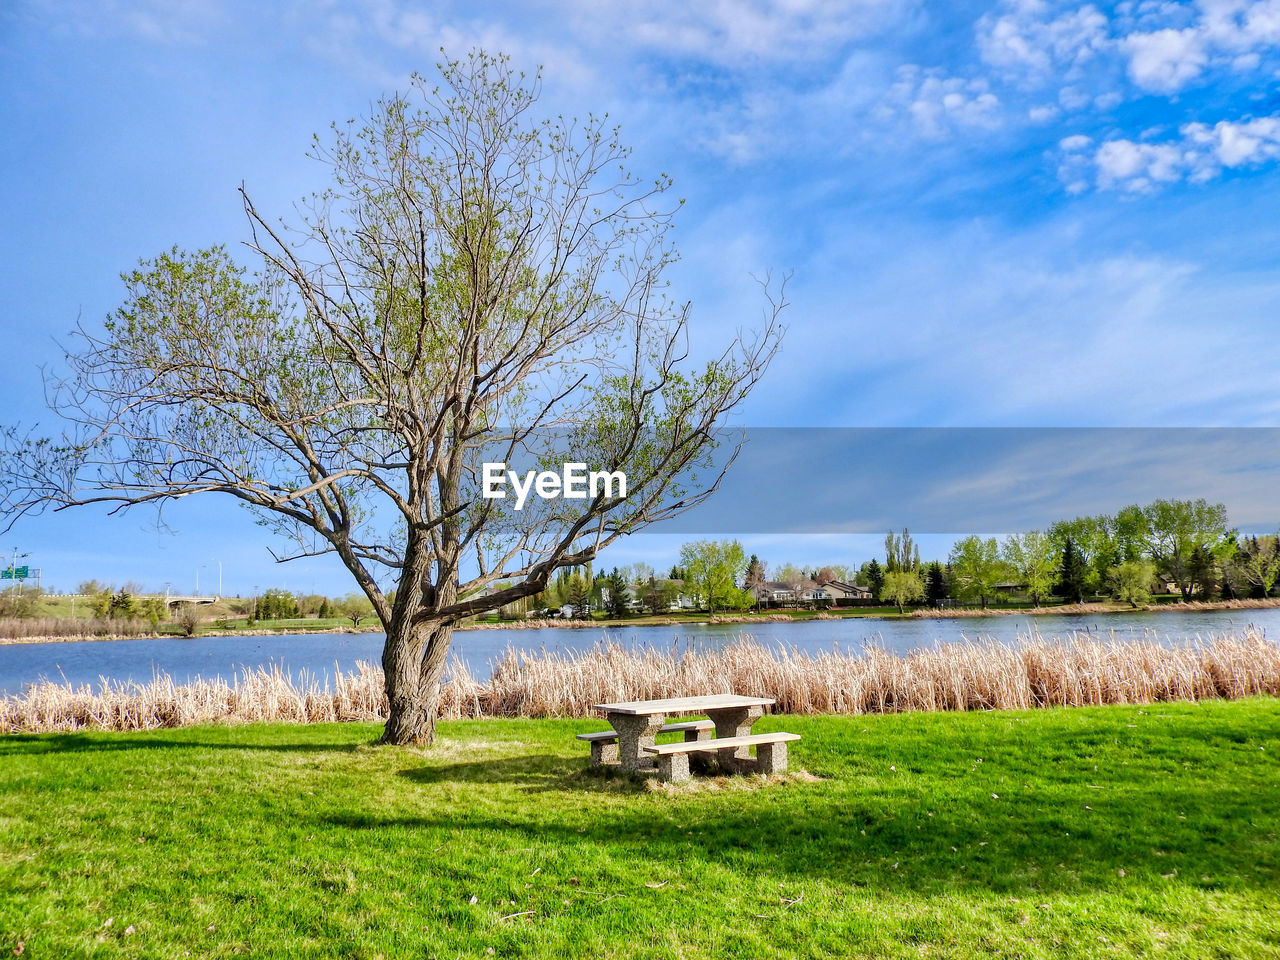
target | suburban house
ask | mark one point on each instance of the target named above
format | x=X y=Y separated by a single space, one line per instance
x=838 y=590
x=772 y=594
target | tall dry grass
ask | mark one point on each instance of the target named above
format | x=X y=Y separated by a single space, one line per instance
x=1109 y=606
x=72 y=628
x=1078 y=670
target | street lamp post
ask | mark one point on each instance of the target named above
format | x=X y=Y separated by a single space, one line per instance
x=219 y=563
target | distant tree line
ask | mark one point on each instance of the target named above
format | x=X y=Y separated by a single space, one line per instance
x=1181 y=546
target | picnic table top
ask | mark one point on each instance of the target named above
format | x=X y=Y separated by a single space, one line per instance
x=678 y=705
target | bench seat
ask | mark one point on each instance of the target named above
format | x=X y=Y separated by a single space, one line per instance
x=604 y=744
x=771 y=754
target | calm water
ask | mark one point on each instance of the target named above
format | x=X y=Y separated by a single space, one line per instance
x=317 y=654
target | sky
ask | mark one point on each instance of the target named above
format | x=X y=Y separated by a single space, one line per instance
x=1010 y=214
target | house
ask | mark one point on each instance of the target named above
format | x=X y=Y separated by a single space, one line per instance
x=838 y=590
x=771 y=594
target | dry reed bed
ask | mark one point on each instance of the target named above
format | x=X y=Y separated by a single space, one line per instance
x=73 y=628
x=947 y=613
x=1079 y=670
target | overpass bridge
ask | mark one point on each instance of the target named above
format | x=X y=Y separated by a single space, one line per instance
x=172 y=599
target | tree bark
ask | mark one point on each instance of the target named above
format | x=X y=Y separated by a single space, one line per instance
x=413 y=661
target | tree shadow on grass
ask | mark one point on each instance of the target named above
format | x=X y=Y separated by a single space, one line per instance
x=860 y=842
x=1048 y=832
x=32 y=744
x=534 y=773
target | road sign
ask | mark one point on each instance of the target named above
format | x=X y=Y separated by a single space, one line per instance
x=15 y=573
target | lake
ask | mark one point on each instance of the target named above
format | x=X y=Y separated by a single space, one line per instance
x=87 y=661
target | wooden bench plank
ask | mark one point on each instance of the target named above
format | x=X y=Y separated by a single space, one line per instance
x=679 y=705
x=771 y=750
x=720 y=743
x=666 y=728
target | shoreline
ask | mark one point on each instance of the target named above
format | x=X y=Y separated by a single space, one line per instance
x=954 y=613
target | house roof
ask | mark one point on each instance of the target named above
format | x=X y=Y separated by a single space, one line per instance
x=849 y=587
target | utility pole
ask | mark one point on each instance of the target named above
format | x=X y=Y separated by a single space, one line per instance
x=13 y=568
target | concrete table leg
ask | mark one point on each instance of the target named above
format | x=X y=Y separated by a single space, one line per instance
x=771 y=758
x=604 y=751
x=735 y=722
x=633 y=733
x=674 y=767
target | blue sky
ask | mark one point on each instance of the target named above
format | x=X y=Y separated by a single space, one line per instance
x=997 y=214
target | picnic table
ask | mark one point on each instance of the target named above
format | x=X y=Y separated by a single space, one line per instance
x=637 y=723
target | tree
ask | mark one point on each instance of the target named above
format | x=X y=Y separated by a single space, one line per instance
x=187 y=619
x=1131 y=582
x=355 y=607
x=154 y=609
x=793 y=578
x=1072 y=573
x=578 y=596
x=120 y=606
x=1200 y=571
x=619 y=595
x=1175 y=528
x=276 y=604
x=711 y=568
x=755 y=573
x=976 y=568
x=902 y=587
x=476 y=286
x=659 y=595
x=935 y=585
x=835 y=571
x=1034 y=562
x=901 y=553
x=1257 y=564
x=1099 y=544
x=19 y=602
x=875 y=577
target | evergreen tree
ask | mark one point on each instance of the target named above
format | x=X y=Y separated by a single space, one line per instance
x=1072 y=573
x=755 y=573
x=1200 y=569
x=619 y=595
x=875 y=577
x=935 y=586
x=577 y=595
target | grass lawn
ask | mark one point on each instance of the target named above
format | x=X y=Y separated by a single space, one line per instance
x=1097 y=832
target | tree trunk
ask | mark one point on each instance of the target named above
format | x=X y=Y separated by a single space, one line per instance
x=413 y=660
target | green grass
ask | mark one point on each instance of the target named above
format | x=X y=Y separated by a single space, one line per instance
x=1098 y=832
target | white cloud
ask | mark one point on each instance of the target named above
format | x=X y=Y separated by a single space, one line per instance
x=1231 y=34
x=1029 y=38
x=726 y=31
x=1198 y=154
x=1235 y=145
x=1165 y=61
x=1138 y=166
x=939 y=105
